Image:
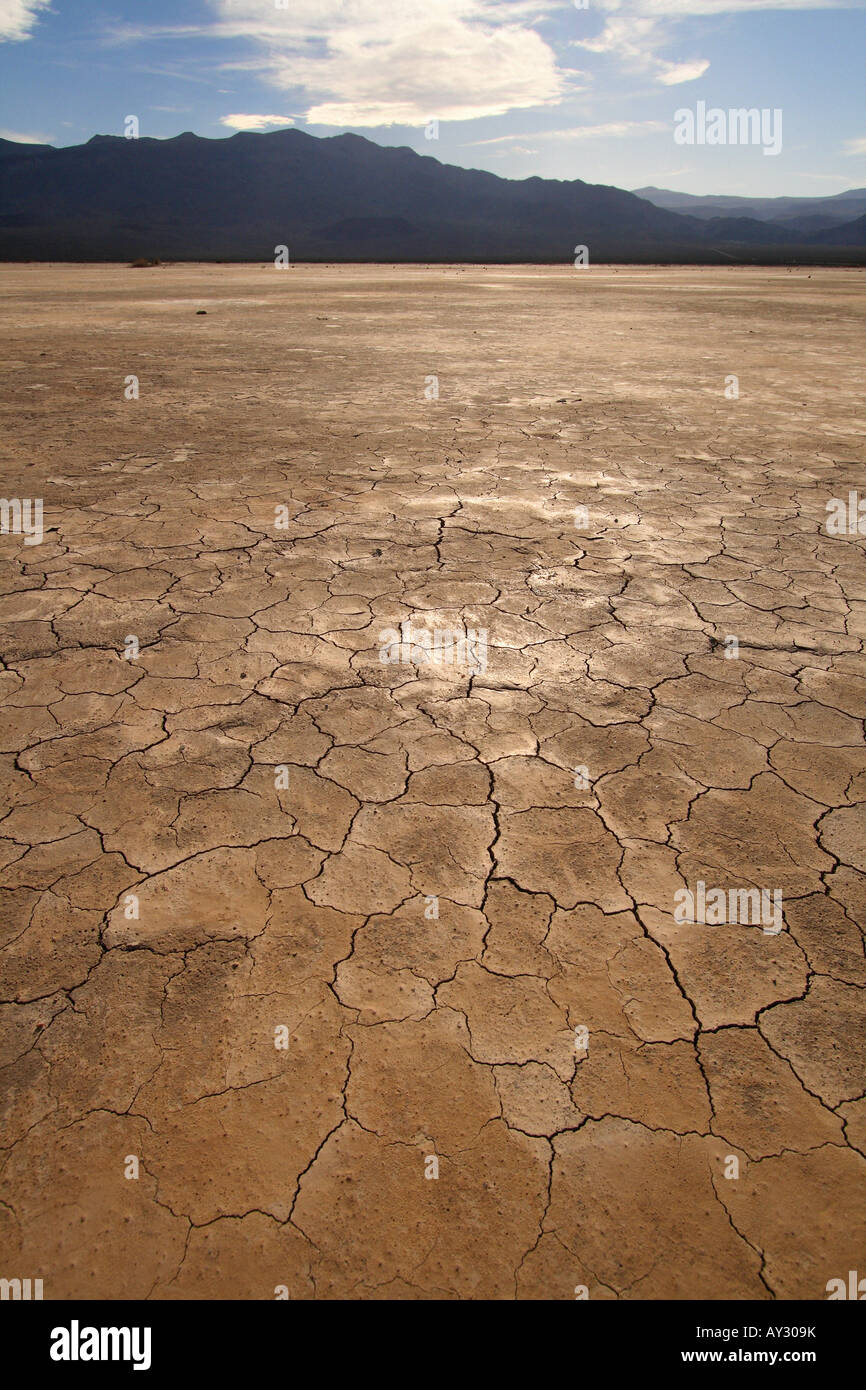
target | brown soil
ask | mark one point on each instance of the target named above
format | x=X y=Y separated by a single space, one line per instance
x=551 y=801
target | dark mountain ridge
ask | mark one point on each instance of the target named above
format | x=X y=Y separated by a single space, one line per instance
x=341 y=198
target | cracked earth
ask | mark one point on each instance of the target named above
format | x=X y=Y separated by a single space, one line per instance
x=243 y=833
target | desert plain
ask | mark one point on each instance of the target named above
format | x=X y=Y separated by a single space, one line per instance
x=331 y=971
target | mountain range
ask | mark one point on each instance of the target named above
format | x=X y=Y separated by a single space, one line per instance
x=785 y=215
x=344 y=198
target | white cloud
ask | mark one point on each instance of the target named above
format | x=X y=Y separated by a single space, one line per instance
x=633 y=38
x=402 y=62
x=390 y=62
x=636 y=31
x=240 y=121
x=618 y=130
x=609 y=130
x=673 y=73
x=857 y=146
x=18 y=17
x=515 y=149
x=368 y=63
x=33 y=138
x=689 y=8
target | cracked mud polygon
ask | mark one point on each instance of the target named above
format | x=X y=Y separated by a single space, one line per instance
x=373 y=967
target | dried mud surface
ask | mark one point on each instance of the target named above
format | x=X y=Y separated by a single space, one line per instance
x=306 y=907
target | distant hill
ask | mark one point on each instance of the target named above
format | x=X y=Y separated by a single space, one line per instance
x=849 y=234
x=342 y=198
x=794 y=214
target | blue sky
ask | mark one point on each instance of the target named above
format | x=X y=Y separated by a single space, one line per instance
x=520 y=87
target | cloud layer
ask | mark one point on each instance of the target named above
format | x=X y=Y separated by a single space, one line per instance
x=374 y=63
x=637 y=30
x=388 y=62
x=18 y=17
x=241 y=121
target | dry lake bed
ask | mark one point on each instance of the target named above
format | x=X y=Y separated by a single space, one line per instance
x=434 y=793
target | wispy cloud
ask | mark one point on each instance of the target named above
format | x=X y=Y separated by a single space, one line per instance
x=368 y=63
x=674 y=73
x=616 y=130
x=856 y=146
x=826 y=178
x=18 y=17
x=26 y=138
x=637 y=31
x=240 y=121
x=697 y=8
x=514 y=150
x=392 y=62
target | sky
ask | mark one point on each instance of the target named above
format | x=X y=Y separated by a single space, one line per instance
x=565 y=89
